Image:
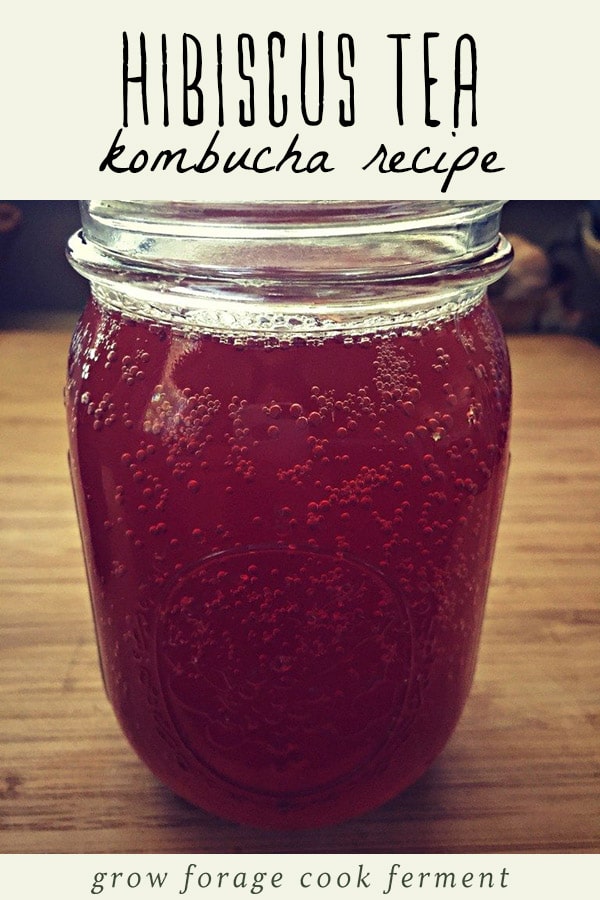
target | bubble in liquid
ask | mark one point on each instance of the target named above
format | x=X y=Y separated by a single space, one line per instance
x=118 y=569
x=158 y=528
x=273 y=410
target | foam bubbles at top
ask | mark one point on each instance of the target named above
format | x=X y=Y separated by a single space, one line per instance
x=276 y=323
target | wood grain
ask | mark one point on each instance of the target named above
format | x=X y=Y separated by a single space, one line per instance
x=522 y=772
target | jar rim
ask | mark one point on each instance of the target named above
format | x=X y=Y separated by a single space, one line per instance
x=256 y=216
x=270 y=242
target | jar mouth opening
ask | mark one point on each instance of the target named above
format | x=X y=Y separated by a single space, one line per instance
x=257 y=217
x=274 y=245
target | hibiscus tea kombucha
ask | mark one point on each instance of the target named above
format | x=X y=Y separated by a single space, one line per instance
x=288 y=544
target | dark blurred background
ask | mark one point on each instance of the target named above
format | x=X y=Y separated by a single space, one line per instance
x=38 y=288
x=554 y=284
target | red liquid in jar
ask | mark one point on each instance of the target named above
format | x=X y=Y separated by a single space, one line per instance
x=288 y=550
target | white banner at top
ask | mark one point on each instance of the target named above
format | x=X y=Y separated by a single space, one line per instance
x=264 y=100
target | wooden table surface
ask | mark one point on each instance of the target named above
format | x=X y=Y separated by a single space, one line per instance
x=522 y=772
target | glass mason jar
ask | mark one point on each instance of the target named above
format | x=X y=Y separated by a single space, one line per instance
x=288 y=444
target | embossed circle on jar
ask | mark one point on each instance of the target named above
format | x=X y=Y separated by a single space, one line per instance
x=283 y=670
